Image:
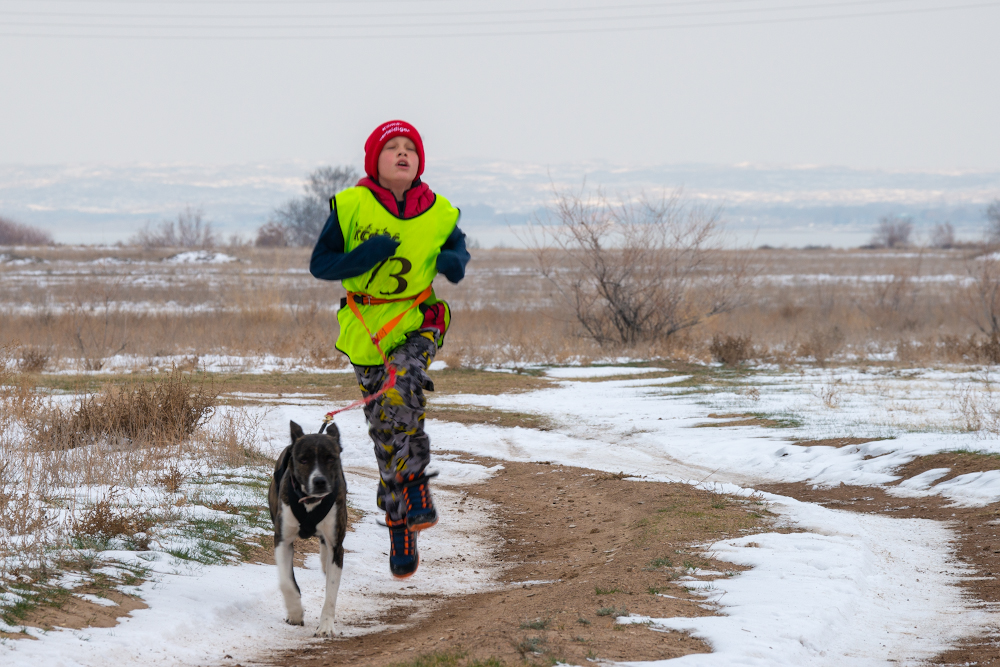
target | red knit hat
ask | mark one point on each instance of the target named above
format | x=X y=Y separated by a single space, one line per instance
x=381 y=136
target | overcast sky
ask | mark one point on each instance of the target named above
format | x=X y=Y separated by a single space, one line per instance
x=902 y=89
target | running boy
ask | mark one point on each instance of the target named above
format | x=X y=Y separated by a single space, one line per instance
x=386 y=239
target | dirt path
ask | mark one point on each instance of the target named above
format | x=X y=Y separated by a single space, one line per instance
x=594 y=545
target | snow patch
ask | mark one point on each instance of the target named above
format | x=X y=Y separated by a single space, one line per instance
x=200 y=256
x=598 y=371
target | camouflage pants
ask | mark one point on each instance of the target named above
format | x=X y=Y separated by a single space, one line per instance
x=396 y=419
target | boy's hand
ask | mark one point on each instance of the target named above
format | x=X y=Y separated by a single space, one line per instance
x=450 y=265
x=379 y=248
x=374 y=250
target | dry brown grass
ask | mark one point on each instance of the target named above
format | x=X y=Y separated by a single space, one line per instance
x=139 y=433
x=164 y=410
x=822 y=306
x=109 y=518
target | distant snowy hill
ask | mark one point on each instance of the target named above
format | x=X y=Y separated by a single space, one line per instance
x=777 y=205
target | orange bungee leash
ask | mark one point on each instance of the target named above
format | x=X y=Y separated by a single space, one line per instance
x=353 y=298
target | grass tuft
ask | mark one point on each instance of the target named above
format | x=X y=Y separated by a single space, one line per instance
x=612 y=611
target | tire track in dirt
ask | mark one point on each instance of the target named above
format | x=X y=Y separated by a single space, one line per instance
x=580 y=546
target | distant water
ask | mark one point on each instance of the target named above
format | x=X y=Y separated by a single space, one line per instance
x=93 y=203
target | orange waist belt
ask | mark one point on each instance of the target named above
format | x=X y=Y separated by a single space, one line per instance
x=354 y=298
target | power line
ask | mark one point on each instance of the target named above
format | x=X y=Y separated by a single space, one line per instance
x=603 y=29
x=528 y=21
x=482 y=12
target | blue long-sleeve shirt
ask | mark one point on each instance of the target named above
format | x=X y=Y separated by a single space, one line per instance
x=330 y=262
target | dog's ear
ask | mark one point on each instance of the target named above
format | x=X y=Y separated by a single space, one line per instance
x=296 y=431
x=332 y=431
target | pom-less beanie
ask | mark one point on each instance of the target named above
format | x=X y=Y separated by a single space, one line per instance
x=381 y=136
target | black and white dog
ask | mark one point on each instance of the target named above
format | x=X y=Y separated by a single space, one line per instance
x=308 y=495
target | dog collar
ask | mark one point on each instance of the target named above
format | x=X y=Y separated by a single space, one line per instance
x=313 y=499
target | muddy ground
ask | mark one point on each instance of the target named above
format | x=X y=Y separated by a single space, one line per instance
x=602 y=544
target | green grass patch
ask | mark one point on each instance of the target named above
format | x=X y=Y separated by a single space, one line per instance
x=536 y=624
x=662 y=561
x=30 y=596
x=535 y=645
x=612 y=611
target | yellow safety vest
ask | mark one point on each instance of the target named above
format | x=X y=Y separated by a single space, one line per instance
x=389 y=290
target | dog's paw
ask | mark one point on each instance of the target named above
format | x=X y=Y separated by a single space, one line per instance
x=326 y=629
x=292 y=621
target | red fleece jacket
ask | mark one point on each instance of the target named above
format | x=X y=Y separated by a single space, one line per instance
x=416 y=200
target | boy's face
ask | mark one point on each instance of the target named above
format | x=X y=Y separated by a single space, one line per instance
x=398 y=162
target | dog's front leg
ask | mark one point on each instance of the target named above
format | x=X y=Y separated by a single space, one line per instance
x=283 y=557
x=333 y=565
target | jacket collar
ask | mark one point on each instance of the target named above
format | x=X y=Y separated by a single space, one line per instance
x=416 y=200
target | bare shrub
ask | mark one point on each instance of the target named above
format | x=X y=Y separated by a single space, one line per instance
x=731 y=350
x=892 y=232
x=639 y=270
x=171 y=479
x=164 y=410
x=943 y=236
x=892 y=302
x=993 y=223
x=32 y=360
x=14 y=233
x=232 y=439
x=190 y=230
x=300 y=220
x=271 y=235
x=982 y=297
x=830 y=394
x=109 y=518
x=822 y=344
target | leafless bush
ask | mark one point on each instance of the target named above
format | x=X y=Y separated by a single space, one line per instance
x=943 y=236
x=638 y=270
x=32 y=360
x=976 y=407
x=893 y=301
x=300 y=220
x=13 y=233
x=892 y=232
x=271 y=235
x=232 y=439
x=109 y=518
x=982 y=298
x=731 y=350
x=161 y=411
x=973 y=349
x=190 y=230
x=821 y=344
x=993 y=223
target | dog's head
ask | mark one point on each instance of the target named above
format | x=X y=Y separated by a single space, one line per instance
x=315 y=462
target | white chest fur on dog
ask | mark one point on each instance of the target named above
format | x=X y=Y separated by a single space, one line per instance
x=308 y=496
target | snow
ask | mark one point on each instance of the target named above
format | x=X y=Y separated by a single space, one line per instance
x=200 y=256
x=577 y=372
x=839 y=589
x=198 y=614
x=858 y=589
